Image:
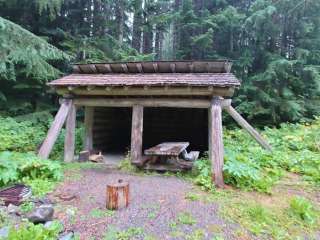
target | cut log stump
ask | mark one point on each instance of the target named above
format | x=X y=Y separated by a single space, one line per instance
x=117 y=195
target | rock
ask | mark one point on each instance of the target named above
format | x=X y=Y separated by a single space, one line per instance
x=13 y=209
x=66 y=236
x=41 y=214
x=4 y=232
x=50 y=223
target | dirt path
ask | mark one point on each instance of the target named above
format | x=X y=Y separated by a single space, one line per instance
x=158 y=209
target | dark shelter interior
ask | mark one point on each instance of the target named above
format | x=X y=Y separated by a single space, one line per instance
x=112 y=128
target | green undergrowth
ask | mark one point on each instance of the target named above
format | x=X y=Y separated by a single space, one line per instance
x=25 y=133
x=38 y=232
x=288 y=220
x=296 y=148
x=282 y=216
x=27 y=168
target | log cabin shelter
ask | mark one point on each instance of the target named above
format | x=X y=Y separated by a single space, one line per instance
x=136 y=105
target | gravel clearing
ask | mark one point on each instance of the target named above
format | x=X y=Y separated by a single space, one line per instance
x=158 y=208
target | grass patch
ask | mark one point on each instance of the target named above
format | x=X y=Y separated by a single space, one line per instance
x=273 y=217
x=303 y=209
x=192 y=196
x=198 y=234
x=128 y=234
x=98 y=213
x=186 y=218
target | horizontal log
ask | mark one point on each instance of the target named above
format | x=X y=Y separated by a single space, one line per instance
x=152 y=91
x=130 y=102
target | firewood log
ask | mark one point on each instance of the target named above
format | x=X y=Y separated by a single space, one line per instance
x=117 y=195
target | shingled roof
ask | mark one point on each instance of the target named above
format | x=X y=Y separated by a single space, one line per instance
x=163 y=73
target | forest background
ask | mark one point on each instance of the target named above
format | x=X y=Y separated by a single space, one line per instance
x=274 y=46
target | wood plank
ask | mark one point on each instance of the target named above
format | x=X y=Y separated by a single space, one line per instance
x=245 y=125
x=69 y=143
x=88 y=124
x=153 y=91
x=55 y=129
x=164 y=102
x=136 y=134
x=216 y=150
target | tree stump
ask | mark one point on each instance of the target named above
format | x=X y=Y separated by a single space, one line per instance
x=117 y=195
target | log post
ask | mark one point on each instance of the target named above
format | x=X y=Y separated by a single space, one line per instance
x=117 y=195
x=69 y=143
x=216 y=150
x=246 y=126
x=88 y=123
x=55 y=129
x=136 y=134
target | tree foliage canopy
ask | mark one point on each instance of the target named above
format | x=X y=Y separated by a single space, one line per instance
x=275 y=45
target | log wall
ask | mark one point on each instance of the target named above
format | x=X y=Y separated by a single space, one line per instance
x=112 y=129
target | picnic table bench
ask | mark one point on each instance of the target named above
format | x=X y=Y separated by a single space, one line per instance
x=165 y=156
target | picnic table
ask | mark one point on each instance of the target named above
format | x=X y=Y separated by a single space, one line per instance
x=165 y=156
x=167 y=149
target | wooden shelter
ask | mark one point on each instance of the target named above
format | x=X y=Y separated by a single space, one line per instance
x=142 y=103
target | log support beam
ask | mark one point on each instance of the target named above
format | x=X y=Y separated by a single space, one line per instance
x=136 y=134
x=88 y=123
x=69 y=143
x=216 y=151
x=246 y=126
x=55 y=129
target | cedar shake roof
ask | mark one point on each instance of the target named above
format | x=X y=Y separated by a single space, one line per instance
x=160 y=73
x=164 y=79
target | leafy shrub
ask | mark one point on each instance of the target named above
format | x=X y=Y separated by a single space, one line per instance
x=203 y=174
x=20 y=136
x=25 y=133
x=40 y=187
x=303 y=209
x=19 y=167
x=38 y=232
x=296 y=148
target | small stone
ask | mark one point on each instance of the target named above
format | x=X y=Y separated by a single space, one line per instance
x=45 y=200
x=48 y=224
x=13 y=209
x=41 y=214
x=67 y=236
x=4 y=232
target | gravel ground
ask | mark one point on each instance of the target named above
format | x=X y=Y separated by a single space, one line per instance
x=156 y=203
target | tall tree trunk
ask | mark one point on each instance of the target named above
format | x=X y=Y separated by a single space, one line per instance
x=176 y=30
x=137 y=25
x=158 y=43
x=120 y=20
x=147 y=39
x=148 y=27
